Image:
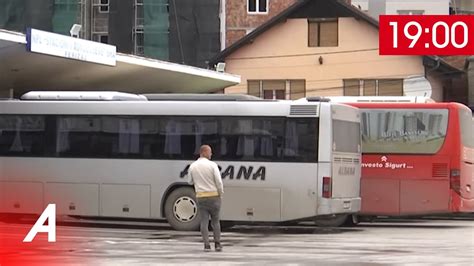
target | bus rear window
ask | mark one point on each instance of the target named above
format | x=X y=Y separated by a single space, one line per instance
x=344 y=135
x=412 y=131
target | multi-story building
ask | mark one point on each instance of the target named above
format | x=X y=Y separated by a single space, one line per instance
x=412 y=7
x=462 y=6
x=455 y=6
x=192 y=35
x=322 y=48
x=459 y=7
x=243 y=16
x=404 y=7
x=181 y=31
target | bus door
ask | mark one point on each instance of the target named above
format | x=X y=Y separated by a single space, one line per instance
x=346 y=160
x=466 y=173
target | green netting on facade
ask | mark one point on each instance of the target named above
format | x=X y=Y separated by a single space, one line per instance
x=55 y=15
x=155 y=29
x=65 y=15
x=11 y=15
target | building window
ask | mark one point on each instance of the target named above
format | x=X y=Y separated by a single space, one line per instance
x=323 y=33
x=257 y=6
x=369 y=87
x=351 y=87
x=297 y=89
x=373 y=87
x=104 y=6
x=104 y=39
x=274 y=89
x=410 y=12
x=274 y=94
x=390 y=87
x=277 y=89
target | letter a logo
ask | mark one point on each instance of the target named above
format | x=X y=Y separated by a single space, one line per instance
x=50 y=214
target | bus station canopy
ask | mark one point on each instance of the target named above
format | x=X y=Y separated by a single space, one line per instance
x=24 y=71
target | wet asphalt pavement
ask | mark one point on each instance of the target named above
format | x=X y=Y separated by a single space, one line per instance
x=395 y=242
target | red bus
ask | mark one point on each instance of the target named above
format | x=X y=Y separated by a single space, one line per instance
x=417 y=158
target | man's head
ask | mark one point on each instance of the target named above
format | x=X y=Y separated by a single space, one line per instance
x=205 y=151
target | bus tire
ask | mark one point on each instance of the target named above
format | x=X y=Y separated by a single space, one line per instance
x=332 y=220
x=351 y=221
x=225 y=225
x=181 y=209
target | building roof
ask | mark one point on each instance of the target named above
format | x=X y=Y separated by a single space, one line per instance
x=26 y=71
x=300 y=9
x=436 y=63
x=320 y=9
x=456 y=61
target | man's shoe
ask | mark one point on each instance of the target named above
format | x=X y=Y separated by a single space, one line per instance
x=218 y=247
x=207 y=248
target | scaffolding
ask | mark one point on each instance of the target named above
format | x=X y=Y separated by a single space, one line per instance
x=182 y=31
x=57 y=16
x=100 y=20
x=138 y=25
x=84 y=19
x=94 y=18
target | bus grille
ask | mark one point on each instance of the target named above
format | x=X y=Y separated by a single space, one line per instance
x=303 y=110
x=346 y=160
x=440 y=170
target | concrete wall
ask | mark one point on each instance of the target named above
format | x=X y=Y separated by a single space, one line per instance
x=464 y=6
x=391 y=7
x=364 y=4
x=376 y=8
x=431 y=7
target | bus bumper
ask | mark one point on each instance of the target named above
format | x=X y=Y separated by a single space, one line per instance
x=339 y=205
x=467 y=205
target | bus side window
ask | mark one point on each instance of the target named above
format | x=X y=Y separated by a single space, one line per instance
x=22 y=135
x=151 y=138
x=205 y=131
x=251 y=139
x=301 y=139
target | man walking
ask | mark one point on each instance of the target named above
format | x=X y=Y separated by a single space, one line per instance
x=207 y=180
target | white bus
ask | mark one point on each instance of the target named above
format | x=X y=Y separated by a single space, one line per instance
x=106 y=154
x=381 y=99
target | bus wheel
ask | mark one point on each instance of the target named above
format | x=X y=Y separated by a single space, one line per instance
x=181 y=210
x=226 y=225
x=332 y=220
x=352 y=220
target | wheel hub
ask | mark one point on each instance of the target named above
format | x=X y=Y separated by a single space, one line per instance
x=185 y=209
